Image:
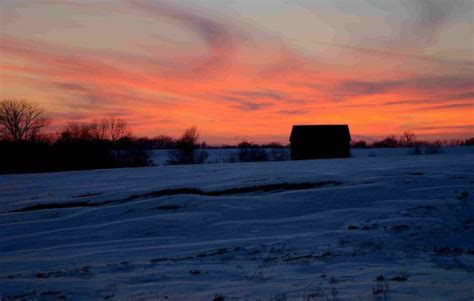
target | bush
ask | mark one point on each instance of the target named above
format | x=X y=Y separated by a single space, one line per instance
x=178 y=157
x=416 y=151
x=163 y=142
x=434 y=148
x=427 y=148
x=186 y=149
x=68 y=153
x=408 y=139
x=469 y=142
x=359 y=144
x=250 y=153
x=389 y=141
x=253 y=155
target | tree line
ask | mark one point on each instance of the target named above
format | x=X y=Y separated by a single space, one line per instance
x=109 y=143
x=24 y=147
x=104 y=143
x=409 y=139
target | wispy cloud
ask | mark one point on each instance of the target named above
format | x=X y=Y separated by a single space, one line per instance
x=292 y=112
x=221 y=38
x=388 y=54
x=243 y=104
x=259 y=94
x=448 y=106
x=454 y=97
x=430 y=85
x=222 y=68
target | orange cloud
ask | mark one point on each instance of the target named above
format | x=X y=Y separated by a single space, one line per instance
x=236 y=84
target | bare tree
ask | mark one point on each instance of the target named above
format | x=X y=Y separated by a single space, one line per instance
x=21 y=120
x=389 y=141
x=107 y=128
x=112 y=128
x=98 y=130
x=163 y=141
x=408 y=139
x=80 y=131
x=186 y=149
x=190 y=136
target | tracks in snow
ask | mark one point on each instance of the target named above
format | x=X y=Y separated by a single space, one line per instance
x=265 y=188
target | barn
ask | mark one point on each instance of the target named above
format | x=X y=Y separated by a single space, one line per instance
x=320 y=141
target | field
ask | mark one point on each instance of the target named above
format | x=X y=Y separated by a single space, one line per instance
x=160 y=157
x=377 y=227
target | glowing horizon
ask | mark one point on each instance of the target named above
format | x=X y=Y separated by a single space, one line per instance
x=245 y=69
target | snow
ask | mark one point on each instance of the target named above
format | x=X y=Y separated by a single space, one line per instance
x=160 y=157
x=244 y=231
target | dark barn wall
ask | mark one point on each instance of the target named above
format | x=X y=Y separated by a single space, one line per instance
x=303 y=151
x=320 y=142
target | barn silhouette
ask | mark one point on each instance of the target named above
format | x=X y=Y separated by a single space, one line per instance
x=320 y=141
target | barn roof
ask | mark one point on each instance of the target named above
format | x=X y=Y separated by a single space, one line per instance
x=320 y=131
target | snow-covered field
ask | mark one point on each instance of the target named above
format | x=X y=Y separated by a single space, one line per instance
x=364 y=228
x=160 y=157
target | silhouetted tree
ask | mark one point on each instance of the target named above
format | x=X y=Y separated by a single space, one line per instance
x=249 y=152
x=187 y=145
x=106 y=143
x=455 y=142
x=21 y=120
x=131 y=152
x=389 y=141
x=186 y=149
x=272 y=145
x=164 y=142
x=408 y=139
x=469 y=142
x=434 y=148
x=359 y=144
x=99 y=144
x=113 y=128
x=80 y=131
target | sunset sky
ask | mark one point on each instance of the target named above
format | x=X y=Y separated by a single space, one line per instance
x=245 y=69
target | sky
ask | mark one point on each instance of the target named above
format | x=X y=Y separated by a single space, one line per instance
x=245 y=69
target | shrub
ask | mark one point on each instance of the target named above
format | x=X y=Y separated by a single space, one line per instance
x=434 y=148
x=469 y=142
x=186 y=149
x=359 y=144
x=415 y=151
x=408 y=139
x=218 y=297
x=250 y=153
x=389 y=141
x=70 y=152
